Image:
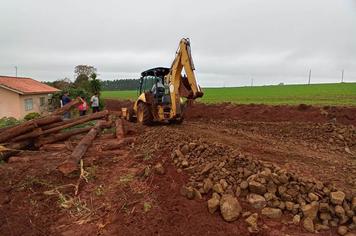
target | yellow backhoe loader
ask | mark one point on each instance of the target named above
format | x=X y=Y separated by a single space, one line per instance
x=164 y=92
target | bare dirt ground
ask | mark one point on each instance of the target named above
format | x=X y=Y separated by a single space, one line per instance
x=123 y=195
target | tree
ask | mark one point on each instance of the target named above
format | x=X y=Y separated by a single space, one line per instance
x=84 y=70
x=82 y=81
x=95 y=84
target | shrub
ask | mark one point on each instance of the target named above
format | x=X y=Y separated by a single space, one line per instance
x=32 y=115
x=8 y=121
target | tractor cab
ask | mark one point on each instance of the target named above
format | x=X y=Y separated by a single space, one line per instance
x=152 y=84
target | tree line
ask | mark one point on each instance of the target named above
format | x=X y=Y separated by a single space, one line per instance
x=120 y=84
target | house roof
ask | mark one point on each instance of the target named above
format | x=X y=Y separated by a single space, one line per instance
x=23 y=85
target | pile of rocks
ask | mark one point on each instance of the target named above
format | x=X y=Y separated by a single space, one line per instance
x=224 y=176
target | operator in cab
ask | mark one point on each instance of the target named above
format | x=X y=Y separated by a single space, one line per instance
x=157 y=88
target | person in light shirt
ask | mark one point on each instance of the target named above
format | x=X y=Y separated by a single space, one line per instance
x=83 y=107
x=94 y=100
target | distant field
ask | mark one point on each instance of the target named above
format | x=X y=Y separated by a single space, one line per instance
x=316 y=94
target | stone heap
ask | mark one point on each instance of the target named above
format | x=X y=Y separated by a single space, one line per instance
x=224 y=176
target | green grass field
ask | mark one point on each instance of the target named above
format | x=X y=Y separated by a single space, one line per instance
x=316 y=94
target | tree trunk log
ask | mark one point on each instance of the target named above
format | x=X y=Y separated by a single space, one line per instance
x=67 y=107
x=20 y=145
x=118 y=144
x=61 y=136
x=34 y=134
x=94 y=116
x=71 y=164
x=28 y=126
x=120 y=129
x=17 y=130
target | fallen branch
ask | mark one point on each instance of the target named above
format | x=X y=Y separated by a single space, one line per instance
x=120 y=129
x=71 y=164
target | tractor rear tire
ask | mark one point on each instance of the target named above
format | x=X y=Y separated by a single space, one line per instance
x=144 y=115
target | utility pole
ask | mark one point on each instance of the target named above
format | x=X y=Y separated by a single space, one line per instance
x=342 y=76
x=309 y=77
x=16 y=71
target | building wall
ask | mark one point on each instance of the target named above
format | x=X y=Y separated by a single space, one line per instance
x=36 y=104
x=9 y=104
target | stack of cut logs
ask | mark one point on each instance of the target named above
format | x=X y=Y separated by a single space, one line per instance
x=37 y=133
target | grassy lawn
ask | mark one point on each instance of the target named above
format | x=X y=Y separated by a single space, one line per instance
x=317 y=94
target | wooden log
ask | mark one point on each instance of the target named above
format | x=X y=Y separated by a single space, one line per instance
x=34 y=134
x=20 y=145
x=71 y=164
x=48 y=120
x=67 y=107
x=17 y=130
x=8 y=133
x=61 y=136
x=120 y=129
x=93 y=116
x=118 y=144
x=64 y=122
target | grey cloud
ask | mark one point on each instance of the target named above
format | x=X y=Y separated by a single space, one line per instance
x=232 y=41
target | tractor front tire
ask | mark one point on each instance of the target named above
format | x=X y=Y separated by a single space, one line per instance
x=144 y=115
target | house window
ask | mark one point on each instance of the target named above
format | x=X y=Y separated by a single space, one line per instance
x=28 y=104
x=42 y=101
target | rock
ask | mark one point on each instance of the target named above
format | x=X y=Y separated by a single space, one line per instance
x=257 y=201
x=159 y=169
x=324 y=207
x=308 y=225
x=224 y=184
x=185 y=149
x=342 y=230
x=216 y=195
x=230 y=207
x=337 y=197
x=347 y=149
x=353 y=204
x=256 y=187
x=208 y=185
x=325 y=216
x=296 y=219
x=207 y=168
x=238 y=192
x=252 y=222
x=339 y=211
x=246 y=214
x=313 y=197
x=310 y=210
x=289 y=206
x=244 y=185
x=179 y=154
x=218 y=188
x=185 y=163
x=197 y=194
x=272 y=213
x=350 y=234
x=213 y=205
x=320 y=227
x=188 y=192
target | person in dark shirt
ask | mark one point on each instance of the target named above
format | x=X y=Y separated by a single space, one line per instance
x=65 y=100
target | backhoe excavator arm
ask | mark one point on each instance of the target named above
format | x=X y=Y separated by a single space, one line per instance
x=182 y=86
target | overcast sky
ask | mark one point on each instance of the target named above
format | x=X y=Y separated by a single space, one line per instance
x=232 y=41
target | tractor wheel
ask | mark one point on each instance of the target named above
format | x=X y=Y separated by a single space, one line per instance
x=144 y=115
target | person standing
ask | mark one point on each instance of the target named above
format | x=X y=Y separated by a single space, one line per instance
x=65 y=100
x=95 y=102
x=83 y=106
